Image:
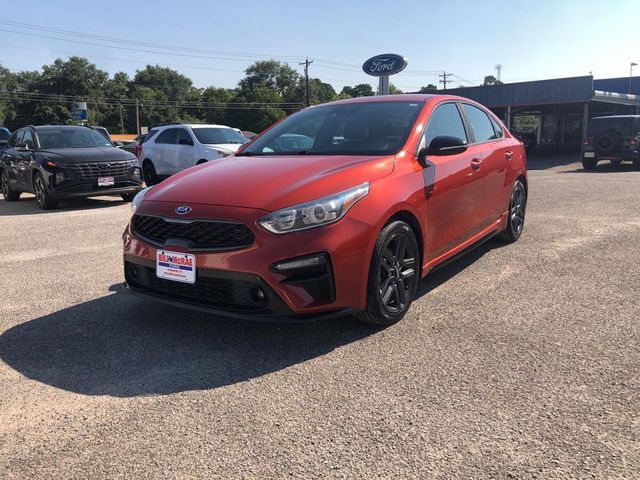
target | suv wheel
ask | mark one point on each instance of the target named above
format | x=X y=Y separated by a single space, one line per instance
x=636 y=164
x=149 y=173
x=45 y=201
x=589 y=163
x=393 y=275
x=8 y=194
x=517 y=210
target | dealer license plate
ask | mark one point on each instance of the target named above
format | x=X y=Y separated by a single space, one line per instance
x=176 y=266
x=105 y=181
x=589 y=154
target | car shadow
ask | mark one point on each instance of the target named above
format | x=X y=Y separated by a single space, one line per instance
x=122 y=346
x=27 y=205
x=605 y=167
x=546 y=157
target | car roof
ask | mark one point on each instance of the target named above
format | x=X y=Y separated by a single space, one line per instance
x=57 y=127
x=616 y=116
x=191 y=125
x=403 y=97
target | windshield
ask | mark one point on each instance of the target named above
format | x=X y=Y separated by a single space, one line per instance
x=79 y=137
x=372 y=128
x=216 y=136
x=625 y=126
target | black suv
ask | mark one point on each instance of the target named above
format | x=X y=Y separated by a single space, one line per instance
x=59 y=161
x=614 y=138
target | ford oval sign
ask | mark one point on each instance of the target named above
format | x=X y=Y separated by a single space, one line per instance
x=183 y=209
x=384 y=65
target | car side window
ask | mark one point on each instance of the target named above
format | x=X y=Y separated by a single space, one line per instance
x=497 y=128
x=480 y=124
x=444 y=121
x=13 y=139
x=168 y=136
x=27 y=139
x=182 y=135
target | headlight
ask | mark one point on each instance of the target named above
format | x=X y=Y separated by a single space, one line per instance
x=224 y=153
x=137 y=200
x=314 y=214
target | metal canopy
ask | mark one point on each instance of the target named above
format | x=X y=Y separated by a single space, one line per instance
x=616 y=98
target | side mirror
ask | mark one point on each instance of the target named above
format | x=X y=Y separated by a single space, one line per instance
x=118 y=144
x=446 y=145
x=22 y=147
x=185 y=141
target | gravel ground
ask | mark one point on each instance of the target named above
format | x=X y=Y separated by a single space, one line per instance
x=517 y=361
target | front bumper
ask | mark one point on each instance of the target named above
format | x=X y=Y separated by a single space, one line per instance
x=62 y=183
x=345 y=243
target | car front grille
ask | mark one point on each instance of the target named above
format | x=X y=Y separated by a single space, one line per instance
x=100 y=169
x=237 y=293
x=198 y=234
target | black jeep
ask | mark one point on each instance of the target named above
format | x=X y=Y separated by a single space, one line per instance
x=615 y=138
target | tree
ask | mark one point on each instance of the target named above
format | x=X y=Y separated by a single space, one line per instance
x=491 y=80
x=393 y=90
x=431 y=88
x=360 y=90
x=220 y=96
x=270 y=74
x=174 y=85
x=257 y=116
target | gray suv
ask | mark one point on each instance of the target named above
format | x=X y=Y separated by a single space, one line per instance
x=615 y=138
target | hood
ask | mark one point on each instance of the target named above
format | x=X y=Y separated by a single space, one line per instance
x=269 y=182
x=229 y=147
x=95 y=154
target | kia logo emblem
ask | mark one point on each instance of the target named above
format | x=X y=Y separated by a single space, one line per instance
x=183 y=209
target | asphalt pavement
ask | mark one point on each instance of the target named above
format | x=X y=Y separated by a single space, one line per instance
x=518 y=361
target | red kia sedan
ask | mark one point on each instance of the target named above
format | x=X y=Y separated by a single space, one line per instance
x=340 y=208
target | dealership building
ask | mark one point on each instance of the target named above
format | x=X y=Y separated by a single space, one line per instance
x=557 y=110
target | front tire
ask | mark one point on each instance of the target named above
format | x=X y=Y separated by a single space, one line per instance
x=8 y=194
x=45 y=201
x=393 y=275
x=517 y=210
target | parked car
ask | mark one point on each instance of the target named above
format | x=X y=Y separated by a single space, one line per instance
x=107 y=135
x=60 y=161
x=615 y=138
x=4 y=136
x=391 y=187
x=179 y=146
x=529 y=139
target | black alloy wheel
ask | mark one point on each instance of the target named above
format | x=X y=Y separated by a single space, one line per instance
x=8 y=194
x=393 y=275
x=45 y=201
x=149 y=173
x=517 y=210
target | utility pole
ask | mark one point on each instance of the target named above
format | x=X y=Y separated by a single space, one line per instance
x=444 y=76
x=121 y=121
x=498 y=71
x=137 y=117
x=306 y=64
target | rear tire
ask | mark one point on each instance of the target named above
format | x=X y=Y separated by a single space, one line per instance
x=8 y=194
x=149 y=173
x=393 y=275
x=517 y=210
x=589 y=163
x=45 y=201
x=636 y=164
x=615 y=163
x=128 y=197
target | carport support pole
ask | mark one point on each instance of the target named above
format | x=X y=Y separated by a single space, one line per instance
x=508 y=119
x=585 y=120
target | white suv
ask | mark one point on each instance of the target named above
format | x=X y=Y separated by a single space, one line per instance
x=171 y=148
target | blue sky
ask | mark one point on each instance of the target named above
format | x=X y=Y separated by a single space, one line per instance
x=532 y=40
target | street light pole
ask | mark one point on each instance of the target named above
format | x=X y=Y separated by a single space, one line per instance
x=633 y=64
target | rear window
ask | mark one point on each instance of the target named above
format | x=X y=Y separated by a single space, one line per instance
x=625 y=126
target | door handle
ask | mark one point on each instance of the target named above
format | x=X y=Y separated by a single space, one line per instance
x=508 y=155
x=475 y=163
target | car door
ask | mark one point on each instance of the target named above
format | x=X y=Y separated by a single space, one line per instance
x=24 y=159
x=495 y=154
x=165 y=153
x=11 y=159
x=453 y=184
x=185 y=149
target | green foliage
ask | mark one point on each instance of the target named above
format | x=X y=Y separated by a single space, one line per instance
x=360 y=90
x=491 y=80
x=431 y=88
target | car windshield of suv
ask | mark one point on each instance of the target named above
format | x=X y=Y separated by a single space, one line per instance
x=625 y=126
x=80 y=137
x=216 y=136
x=372 y=128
